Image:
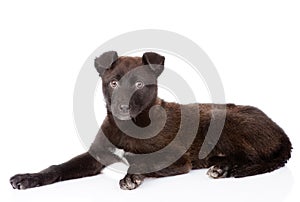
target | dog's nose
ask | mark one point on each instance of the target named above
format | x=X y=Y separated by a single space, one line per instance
x=124 y=108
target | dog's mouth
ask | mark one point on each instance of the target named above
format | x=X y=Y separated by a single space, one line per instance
x=123 y=116
x=125 y=112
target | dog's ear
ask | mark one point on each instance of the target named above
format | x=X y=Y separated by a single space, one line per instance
x=155 y=62
x=105 y=60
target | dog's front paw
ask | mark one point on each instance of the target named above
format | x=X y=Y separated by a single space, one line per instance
x=131 y=181
x=25 y=181
x=217 y=172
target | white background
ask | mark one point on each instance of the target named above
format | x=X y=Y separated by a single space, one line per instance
x=255 y=46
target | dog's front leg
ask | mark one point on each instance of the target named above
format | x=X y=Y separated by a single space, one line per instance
x=80 y=166
x=131 y=180
x=138 y=165
x=87 y=164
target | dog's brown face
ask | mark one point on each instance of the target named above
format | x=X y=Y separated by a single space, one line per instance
x=129 y=84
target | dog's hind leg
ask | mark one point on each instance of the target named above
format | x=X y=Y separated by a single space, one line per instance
x=239 y=167
x=275 y=161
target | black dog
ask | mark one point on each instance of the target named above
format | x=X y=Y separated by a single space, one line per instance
x=250 y=142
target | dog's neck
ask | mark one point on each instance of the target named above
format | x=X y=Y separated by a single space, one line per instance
x=143 y=119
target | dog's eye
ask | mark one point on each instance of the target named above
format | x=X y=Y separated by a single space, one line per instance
x=139 y=84
x=114 y=84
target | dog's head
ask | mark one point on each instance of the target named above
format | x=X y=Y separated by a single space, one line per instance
x=129 y=84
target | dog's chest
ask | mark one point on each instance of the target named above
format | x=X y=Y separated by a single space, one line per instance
x=120 y=153
x=128 y=144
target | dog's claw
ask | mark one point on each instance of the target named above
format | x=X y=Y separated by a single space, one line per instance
x=217 y=172
x=25 y=181
x=130 y=182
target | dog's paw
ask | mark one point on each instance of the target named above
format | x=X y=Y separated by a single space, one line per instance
x=217 y=172
x=131 y=181
x=25 y=181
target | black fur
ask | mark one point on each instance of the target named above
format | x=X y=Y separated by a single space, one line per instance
x=250 y=142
